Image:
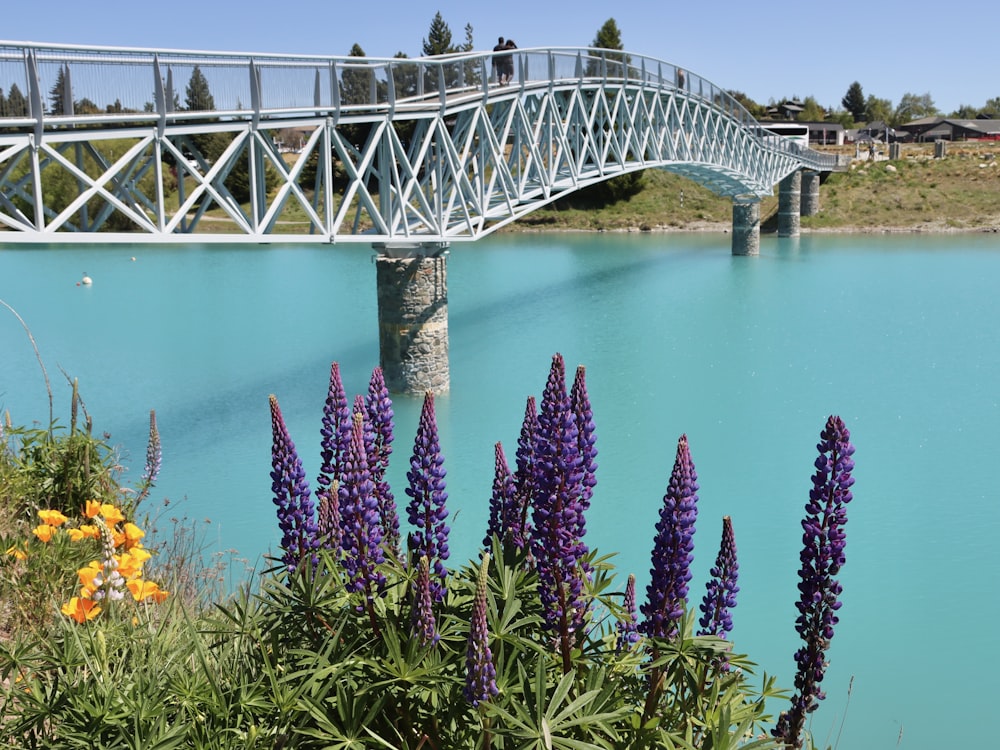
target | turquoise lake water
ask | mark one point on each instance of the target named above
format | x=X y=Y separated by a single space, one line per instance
x=747 y=356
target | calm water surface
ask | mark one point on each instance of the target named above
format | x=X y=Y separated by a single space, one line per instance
x=747 y=356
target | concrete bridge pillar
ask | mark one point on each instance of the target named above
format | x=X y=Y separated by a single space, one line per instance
x=810 y=193
x=789 y=202
x=746 y=226
x=412 y=286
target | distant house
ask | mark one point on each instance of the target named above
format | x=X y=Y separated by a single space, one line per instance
x=789 y=110
x=952 y=129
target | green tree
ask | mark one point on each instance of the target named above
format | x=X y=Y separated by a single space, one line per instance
x=812 y=111
x=757 y=110
x=355 y=88
x=877 y=109
x=965 y=112
x=57 y=94
x=438 y=41
x=608 y=37
x=991 y=108
x=913 y=107
x=17 y=105
x=198 y=97
x=854 y=102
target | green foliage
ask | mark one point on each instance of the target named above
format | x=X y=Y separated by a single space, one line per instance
x=17 y=105
x=438 y=40
x=197 y=96
x=302 y=664
x=854 y=102
x=812 y=111
x=610 y=38
x=877 y=110
x=913 y=107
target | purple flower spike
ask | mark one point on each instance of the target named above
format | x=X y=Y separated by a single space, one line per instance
x=504 y=511
x=587 y=441
x=154 y=454
x=378 y=408
x=361 y=532
x=291 y=495
x=557 y=514
x=480 y=674
x=154 y=458
x=628 y=628
x=720 y=597
x=524 y=476
x=335 y=440
x=673 y=548
x=424 y=625
x=822 y=556
x=426 y=510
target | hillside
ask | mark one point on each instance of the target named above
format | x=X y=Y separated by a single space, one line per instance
x=960 y=192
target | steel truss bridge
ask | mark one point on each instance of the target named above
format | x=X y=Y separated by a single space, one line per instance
x=123 y=144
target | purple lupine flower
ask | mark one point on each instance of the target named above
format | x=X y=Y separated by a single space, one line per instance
x=291 y=495
x=822 y=556
x=378 y=408
x=335 y=433
x=721 y=589
x=524 y=474
x=424 y=624
x=361 y=538
x=587 y=441
x=673 y=548
x=426 y=510
x=555 y=543
x=480 y=674
x=504 y=512
x=628 y=627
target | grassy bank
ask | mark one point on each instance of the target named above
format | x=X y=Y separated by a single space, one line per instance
x=917 y=192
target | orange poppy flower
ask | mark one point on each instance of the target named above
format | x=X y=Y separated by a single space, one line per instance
x=44 y=532
x=52 y=517
x=81 y=610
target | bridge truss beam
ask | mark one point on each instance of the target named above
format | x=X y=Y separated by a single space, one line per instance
x=450 y=167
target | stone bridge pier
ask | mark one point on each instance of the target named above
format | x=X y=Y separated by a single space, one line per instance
x=412 y=282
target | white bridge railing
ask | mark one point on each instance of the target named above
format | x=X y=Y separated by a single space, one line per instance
x=159 y=144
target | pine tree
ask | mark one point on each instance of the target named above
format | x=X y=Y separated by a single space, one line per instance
x=17 y=105
x=57 y=99
x=608 y=37
x=355 y=88
x=854 y=102
x=438 y=41
x=198 y=96
x=617 y=188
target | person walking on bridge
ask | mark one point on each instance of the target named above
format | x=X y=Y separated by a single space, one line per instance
x=498 y=61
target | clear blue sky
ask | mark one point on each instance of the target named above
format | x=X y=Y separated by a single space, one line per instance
x=768 y=50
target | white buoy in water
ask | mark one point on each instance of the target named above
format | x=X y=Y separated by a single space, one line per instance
x=86 y=280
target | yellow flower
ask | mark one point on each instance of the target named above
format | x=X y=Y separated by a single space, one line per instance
x=52 y=517
x=129 y=564
x=111 y=514
x=81 y=610
x=17 y=553
x=87 y=575
x=90 y=531
x=44 y=532
x=132 y=535
x=93 y=509
x=142 y=590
